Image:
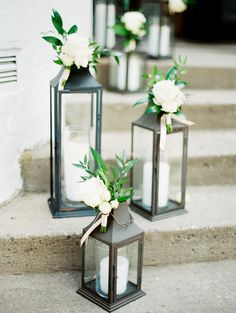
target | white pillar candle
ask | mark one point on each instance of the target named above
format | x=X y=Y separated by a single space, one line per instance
x=122 y=275
x=111 y=19
x=135 y=72
x=74 y=151
x=100 y=24
x=153 y=38
x=163 y=191
x=165 y=40
x=117 y=73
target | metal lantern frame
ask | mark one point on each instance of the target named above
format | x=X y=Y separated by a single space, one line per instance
x=160 y=6
x=151 y=122
x=117 y=236
x=80 y=81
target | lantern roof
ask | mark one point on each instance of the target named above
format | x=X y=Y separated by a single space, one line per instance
x=152 y=121
x=80 y=80
x=121 y=227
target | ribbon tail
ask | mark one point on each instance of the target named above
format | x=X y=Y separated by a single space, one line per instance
x=65 y=75
x=181 y=119
x=162 y=142
x=88 y=232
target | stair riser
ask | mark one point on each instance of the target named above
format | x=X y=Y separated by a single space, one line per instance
x=63 y=253
x=197 y=77
x=203 y=116
x=201 y=171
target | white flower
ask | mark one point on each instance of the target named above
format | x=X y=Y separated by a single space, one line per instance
x=105 y=208
x=93 y=192
x=76 y=48
x=169 y=96
x=131 y=46
x=67 y=59
x=134 y=22
x=177 y=6
x=114 y=204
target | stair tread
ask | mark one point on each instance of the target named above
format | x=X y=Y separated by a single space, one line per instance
x=28 y=215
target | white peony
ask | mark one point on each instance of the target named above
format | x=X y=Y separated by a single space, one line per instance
x=134 y=22
x=131 y=46
x=76 y=48
x=105 y=208
x=114 y=204
x=93 y=192
x=177 y=6
x=169 y=96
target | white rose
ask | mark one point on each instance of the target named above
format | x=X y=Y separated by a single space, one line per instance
x=134 y=22
x=169 y=96
x=105 y=208
x=177 y=6
x=67 y=59
x=77 y=48
x=131 y=46
x=93 y=191
x=114 y=204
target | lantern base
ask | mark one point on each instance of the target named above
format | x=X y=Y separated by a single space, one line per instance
x=69 y=212
x=159 y=57
x=110 y=307
x=172 y=209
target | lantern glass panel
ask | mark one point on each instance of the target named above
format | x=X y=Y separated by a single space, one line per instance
x=142 y=172
x=172 y=166
x=52 y=145
x=90 y=264
x=76 y=138
x=102 y=268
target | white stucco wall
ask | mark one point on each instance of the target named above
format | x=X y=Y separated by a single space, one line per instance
x=24 y=106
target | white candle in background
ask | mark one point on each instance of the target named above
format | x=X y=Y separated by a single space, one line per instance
x=100 y=24
x=117 y=73
x=163 y=191
x=135 y=72
x=111 y=20
x=74 y=151
x=122 y=274
x=165 y=40
x=153 y=37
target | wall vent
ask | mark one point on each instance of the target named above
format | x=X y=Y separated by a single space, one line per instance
x=8 y=69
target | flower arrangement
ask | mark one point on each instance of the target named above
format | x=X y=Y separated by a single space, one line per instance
x=165 y=97
x=73 y=50
x=104 y=188
x=179 y=6
x=131 y=26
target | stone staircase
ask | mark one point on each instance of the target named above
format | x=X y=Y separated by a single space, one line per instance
x=31 y=241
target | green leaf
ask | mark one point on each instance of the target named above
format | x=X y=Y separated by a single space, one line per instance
x=117 y=59
x=140 y=101
x=171 y=72
x=53 y=40
x=59 y=62
x=119 y=161
x=153 y=109
x=120 y=30
x=79 y=165
x=72 y=30
x=57 y=25
x=97 y=157
x=85 y=159
x=123 y=198
x=145 y=76
x=155 y=70
x=57 y=18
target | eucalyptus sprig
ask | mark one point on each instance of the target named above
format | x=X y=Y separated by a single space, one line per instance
x=114 y=177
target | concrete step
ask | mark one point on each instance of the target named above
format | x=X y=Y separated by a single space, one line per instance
x=205 y=287
x=211 y=109
x=31 y=241
x=209 y=66
x=212 y=156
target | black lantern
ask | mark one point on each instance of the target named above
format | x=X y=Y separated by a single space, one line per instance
x=159 y=177
x=112 y=262
x=160 y=34
x=75 y=123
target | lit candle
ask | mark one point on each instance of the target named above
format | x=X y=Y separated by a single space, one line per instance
x=122 y=275
x=136 y=69
x=100 y=24
x=111 y=19
x=163 y=191
x=74 y=151
x=165 y=40
x=153 y=37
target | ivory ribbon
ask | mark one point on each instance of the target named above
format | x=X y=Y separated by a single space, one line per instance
x=94 y=226
x=166 y=120
x=63 y=79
